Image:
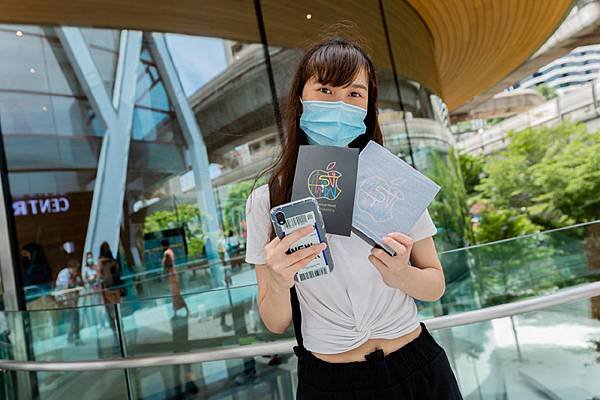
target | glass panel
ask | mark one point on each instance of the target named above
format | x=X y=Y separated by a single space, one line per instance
x=545 y=263
x=529 y=356
x=525 y=356
x=509 y=270
x=196 y=321
x=52 y=142
x=104 y=48
x=489 y=358
x=215 y=318
x=65 y=334
x=97 y=385
x=230 y=97
x=257 y=378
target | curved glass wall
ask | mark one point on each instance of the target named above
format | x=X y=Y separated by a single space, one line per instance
x=105 y=143
x=52 y=141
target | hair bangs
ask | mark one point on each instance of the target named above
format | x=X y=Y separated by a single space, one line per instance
x=336 y=64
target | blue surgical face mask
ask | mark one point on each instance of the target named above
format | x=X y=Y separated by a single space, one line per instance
x=332 y=123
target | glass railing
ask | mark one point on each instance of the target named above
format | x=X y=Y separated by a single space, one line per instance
x=202 y=316
x=516 y=268
x=552 y=352
x=476 y=276
x=208 y=310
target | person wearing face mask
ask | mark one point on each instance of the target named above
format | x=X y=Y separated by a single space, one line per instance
x=357 y=328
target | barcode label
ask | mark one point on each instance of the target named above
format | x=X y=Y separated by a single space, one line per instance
x=317 y=266
x=299 y=220
x=312 y=274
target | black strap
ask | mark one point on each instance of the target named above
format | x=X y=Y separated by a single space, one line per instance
x=296 y=317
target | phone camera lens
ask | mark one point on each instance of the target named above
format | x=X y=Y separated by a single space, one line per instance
x=280 y=217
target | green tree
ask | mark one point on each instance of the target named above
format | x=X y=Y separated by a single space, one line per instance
x=502 y=224
x=546 y=91
x=234 y=207
x=546 y=177
x=448 y=209
x=548 y=174
x=182 y=215
x=569 y=178
x=471 y=167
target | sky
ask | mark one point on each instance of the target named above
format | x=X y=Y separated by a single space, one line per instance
x=197 y=59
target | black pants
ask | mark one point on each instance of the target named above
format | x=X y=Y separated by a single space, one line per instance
x=420 y=370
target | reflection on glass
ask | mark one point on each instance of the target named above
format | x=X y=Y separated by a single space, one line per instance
x=523 y=355
x=104 y=49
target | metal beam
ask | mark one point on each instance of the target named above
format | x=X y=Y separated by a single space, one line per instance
x=193 y=136
x=12 y=299
x=117 y=113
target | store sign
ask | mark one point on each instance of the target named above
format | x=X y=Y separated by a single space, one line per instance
x=52 y=205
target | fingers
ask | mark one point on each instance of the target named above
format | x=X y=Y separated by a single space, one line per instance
x=383 y=269
x=310 y=251
x=293 y=237
x=273 y=243
x=398 y=247
x=382 y=256
x=405 y=240
x=303 y=262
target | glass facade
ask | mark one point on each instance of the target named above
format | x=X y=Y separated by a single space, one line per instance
x=112 y=136
x=184 y=179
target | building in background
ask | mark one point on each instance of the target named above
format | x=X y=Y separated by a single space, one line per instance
x=578 y=67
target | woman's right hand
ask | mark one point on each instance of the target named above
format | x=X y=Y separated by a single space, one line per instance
x=283 y=266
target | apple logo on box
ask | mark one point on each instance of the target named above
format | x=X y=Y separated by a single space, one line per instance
x=377 y=197
x=323 y=184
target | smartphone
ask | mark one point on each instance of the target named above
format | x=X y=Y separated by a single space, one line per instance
x=297 y=214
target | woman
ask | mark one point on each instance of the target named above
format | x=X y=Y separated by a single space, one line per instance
x=168 y=263
x=93 y=290
x=91 y=279
x=357 y=328
x=110 y=279
x=68 y=285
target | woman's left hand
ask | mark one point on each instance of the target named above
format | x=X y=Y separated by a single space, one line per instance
x=393 y=269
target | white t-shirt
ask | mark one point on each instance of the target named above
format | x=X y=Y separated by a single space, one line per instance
x=342 y=310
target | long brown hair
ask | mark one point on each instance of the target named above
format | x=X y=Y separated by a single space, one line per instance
x=335 y=61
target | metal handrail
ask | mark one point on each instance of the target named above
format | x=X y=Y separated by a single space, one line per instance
x=520 y=237
x=286 y=346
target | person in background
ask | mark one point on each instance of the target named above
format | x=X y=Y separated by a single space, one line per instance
x=179 y=324
x=68 y=282
x=110 y=279
x=222 y=249
x=35 y=266
x=233 y=249
x=91 y=281
x=168 y=263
